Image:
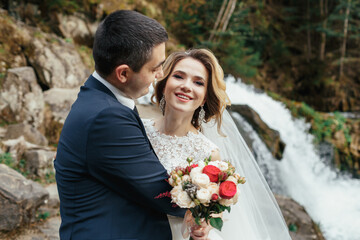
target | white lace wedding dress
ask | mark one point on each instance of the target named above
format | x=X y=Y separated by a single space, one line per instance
x=172 y=152
x=257 y=215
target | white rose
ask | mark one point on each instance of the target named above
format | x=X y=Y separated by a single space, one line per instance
x=184 y=201
x=223 y=166
x=232 y=179
x=176 y=191
x=236 y=196
x=195 y=171
x=185 y=178
x=214 y=163
x=226 y=202
x=203 y=195
x=201 y=180
x=213 y=188
x=181 y=198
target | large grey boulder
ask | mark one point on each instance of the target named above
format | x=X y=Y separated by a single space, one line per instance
x=39 y=162
x=57 y=63
x=17 y=147
x=78 y=28
x=21 y=98
x=30 y=134
x=19 y=199
x=60 y=100
x=58 y=103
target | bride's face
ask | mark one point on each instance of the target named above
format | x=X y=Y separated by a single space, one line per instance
x=186 y=86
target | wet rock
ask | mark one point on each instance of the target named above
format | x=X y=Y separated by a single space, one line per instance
x=298 y=220
x=19 y=199
x=270 y=137
x=21 y=98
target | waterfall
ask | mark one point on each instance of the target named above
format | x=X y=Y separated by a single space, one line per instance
x=332 y=200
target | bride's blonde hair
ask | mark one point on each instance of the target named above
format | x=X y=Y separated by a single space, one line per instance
x=216 y=97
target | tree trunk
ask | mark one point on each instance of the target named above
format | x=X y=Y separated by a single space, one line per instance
x=221 y=12
x=229 y=14
x=323 y=13
x=343 y=47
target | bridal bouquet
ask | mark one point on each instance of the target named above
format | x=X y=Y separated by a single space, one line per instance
x=206 y=188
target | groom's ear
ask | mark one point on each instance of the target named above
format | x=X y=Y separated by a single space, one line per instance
x=122 y=73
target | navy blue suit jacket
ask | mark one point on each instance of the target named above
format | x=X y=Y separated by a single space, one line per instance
x=108 y=174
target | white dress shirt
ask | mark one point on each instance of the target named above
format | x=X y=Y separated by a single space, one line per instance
x=120 y=96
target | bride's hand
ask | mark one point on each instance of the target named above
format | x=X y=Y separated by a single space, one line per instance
x=197 y=232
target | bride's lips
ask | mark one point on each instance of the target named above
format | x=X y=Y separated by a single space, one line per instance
x=183 y=97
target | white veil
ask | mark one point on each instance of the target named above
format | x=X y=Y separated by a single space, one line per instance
x=257 y=215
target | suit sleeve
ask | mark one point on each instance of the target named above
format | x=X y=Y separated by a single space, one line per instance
x=119 y=155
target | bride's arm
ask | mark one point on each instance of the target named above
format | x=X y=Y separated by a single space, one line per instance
x=215 y=155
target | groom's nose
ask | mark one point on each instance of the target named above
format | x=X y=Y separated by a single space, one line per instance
x=160 y=74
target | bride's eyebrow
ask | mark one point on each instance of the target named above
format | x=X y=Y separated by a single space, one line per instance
x=184 y=73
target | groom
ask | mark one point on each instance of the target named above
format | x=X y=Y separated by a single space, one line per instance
x=106 y=170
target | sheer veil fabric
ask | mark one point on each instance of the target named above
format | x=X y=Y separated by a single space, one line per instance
x=257 y=215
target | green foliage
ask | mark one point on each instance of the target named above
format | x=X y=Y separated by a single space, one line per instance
x=42 y=216
x=64 y=5
x=293 y=227
x=7 y=159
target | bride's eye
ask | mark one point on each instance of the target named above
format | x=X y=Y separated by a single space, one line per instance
x=200 y=83
x=177 y=76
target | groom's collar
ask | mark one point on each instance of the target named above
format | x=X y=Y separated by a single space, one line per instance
x=118 y=94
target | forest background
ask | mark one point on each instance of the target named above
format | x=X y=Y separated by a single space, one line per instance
x=303 y=53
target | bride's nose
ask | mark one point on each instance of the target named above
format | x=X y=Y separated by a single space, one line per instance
x=186 y=86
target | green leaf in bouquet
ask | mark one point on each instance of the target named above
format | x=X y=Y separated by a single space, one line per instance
x=227 y=208
x=216 y=223
x=197 y=221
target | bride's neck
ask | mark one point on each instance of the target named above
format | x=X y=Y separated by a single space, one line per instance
x=175 y=124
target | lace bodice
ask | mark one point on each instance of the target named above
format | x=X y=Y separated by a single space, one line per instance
x=173 y=151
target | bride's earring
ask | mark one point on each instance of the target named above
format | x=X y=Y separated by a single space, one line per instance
x=162 y=105
x=201 y=116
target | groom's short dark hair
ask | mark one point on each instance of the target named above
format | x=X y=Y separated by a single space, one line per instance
x=126 y=37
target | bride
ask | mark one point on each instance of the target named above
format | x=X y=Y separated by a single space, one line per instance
x=192 y=98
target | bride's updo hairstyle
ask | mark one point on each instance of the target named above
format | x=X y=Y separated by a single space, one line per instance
x=216 y=97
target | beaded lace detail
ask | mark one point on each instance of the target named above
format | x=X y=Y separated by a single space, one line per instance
x=173 y=151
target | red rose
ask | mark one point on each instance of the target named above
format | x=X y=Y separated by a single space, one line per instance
x=227 y=189
x=214 y=197
x=212 y=172
x=188 y=168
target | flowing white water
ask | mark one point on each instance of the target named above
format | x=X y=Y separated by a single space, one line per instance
x=332 y=201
